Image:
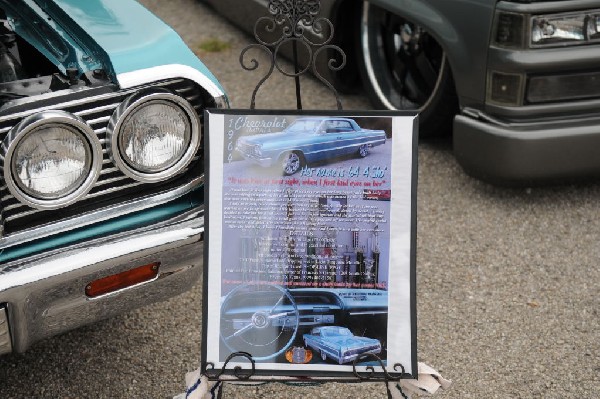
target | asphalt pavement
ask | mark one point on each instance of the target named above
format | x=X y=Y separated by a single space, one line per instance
x=508 y=280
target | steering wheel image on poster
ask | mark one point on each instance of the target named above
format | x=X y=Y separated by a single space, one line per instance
x=260 y=319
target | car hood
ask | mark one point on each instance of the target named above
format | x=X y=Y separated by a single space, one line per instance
x=118 y=36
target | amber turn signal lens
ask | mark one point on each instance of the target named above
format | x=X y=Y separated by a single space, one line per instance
x=122 y=280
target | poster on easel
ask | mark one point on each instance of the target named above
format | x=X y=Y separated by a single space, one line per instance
x=310 y=242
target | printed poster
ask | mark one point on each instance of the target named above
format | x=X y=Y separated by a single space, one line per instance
x=310 y=242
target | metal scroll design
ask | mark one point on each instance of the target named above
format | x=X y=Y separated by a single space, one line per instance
x=386 y=377
x=365 y=376
x=238 y=371
x=289 y=23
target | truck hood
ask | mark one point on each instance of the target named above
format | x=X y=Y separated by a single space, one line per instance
x=118 y=36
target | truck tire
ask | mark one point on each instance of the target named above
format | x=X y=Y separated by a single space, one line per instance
x=402 y=67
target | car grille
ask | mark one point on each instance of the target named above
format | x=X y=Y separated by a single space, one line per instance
x=246 y=148
x=112 y=186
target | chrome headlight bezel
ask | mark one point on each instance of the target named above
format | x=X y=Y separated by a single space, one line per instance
x=38 y=121
x=134 y=103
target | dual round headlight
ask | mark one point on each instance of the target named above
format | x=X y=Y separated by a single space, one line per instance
x=153 y=135
x=53 y=158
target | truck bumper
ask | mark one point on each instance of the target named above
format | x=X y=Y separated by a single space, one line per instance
x=44 y=295
x=527 y=153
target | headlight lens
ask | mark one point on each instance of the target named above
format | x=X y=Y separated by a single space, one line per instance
x=554 y=30
x=565 y=29
x=155 y=136
x=545 y=30
x=51 y=161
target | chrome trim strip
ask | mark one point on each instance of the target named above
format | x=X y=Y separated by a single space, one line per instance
x=104 y=182
x=99 y=190
x=103 y=120
x=90 y=111
x=140 y=77
x=67 y=104
x=370 y=143
x=20 y=215
x=109 y=169
x=372 y=312
x=112 y=212
x=114 y=189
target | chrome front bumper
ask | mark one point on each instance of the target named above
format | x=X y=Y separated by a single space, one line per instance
x=44 y=294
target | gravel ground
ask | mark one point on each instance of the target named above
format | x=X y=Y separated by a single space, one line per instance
x=508 y=282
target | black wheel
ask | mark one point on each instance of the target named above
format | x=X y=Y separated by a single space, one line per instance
x=291 y=162
x=403 y=67
x=363 y=150
x=261 y=320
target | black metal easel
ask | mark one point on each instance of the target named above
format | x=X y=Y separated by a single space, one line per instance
x=289 y=22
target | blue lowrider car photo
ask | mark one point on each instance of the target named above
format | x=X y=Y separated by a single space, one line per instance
x=339 y=344
x=308 y=140
x=101 y=127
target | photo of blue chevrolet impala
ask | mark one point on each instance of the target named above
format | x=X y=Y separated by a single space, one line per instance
x=308 y=140
x=339 y=344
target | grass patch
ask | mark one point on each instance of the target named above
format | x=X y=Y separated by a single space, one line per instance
x=214 y=45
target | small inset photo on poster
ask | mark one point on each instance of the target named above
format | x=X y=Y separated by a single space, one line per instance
x=333 y=205
x=310 y=243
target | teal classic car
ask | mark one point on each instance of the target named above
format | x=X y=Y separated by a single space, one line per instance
x=101 y=164
x=308 y=140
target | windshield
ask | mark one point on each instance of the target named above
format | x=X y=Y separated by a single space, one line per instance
x=303 y=125
x=331 y=332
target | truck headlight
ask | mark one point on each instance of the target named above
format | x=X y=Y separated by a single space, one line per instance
x=545 y=30
x=558 y=29
x=153 y=135
x=51 y=159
